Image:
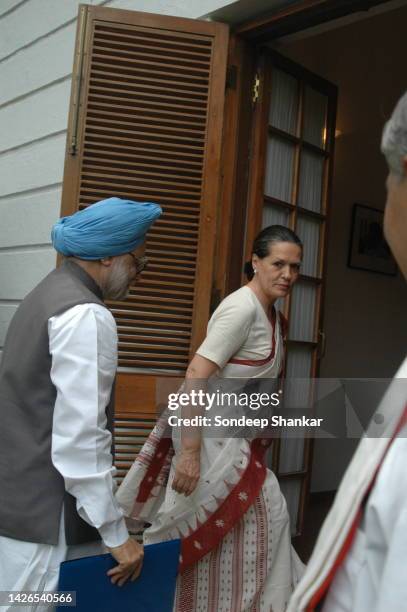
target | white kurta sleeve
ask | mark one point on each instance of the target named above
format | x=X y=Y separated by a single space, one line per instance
x=83 y=346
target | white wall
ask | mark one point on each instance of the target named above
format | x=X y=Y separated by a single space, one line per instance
x=36 y=55
x=365 y=313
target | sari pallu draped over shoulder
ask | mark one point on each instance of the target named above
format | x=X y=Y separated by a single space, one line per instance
x=233 y=472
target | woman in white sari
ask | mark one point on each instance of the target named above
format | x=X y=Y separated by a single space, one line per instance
x=216 y=494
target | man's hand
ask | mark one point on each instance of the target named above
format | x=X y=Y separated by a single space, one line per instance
x=130 y=559
x=187 y=471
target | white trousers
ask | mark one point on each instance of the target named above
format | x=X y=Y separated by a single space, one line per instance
x=27 y=566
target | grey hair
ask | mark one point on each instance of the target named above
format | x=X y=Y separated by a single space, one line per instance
x=394 y=138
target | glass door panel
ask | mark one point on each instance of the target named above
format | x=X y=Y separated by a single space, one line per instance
x=315 y=114
x=311 y=180
x=291 y=454
x=302 y=318
x=299 y=361
x=279 y=169
x=284 y=102
x=308 y=230
x=275 y=215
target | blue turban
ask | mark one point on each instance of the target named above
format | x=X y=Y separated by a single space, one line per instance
x=105 y=229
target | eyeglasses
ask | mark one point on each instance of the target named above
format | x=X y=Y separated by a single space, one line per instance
x=139 y=262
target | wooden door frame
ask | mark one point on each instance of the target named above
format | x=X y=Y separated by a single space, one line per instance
x=300 y=16
x=234 y=169
x=245 y=40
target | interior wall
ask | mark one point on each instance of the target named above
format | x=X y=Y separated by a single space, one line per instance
x=364 y=318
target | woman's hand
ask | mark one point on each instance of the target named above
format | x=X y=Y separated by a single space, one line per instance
x=188 y=467
x=187 y=471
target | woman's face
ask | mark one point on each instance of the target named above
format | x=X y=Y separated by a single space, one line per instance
x=278 y=271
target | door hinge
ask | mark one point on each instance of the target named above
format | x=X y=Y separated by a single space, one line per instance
x=231 y=77
x=77 y=80
x=256 y=88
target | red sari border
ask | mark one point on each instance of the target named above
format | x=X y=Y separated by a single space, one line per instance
x=209 y=534
x=153 y=470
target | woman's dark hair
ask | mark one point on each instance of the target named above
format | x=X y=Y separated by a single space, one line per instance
x=268 y=236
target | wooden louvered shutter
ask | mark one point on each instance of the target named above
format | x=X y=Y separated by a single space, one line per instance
x=145 y=124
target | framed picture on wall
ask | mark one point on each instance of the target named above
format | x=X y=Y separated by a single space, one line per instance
x=368 y=249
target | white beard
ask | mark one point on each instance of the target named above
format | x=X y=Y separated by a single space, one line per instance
x=118 y=283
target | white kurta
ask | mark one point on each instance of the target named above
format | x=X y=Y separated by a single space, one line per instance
x=83 y=345
x=373 y=576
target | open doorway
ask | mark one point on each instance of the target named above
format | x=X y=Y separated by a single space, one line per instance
x=363 y=310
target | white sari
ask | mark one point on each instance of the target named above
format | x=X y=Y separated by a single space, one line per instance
x=236 y=552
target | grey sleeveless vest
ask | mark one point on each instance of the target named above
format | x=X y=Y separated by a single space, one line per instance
x=32 y=491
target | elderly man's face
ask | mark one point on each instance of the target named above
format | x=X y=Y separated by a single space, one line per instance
x=122 y=273
x=395 y=218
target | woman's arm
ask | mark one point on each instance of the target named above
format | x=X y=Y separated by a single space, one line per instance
x=187 y=471
x=196 y=378
x=227 y=332
x=200 y=367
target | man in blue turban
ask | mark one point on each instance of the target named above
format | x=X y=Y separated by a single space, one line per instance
x=102 y=233
x=56 y=403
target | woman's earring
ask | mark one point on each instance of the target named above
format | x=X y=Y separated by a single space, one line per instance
x=255 y=270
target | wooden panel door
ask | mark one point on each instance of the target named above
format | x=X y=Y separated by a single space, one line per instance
x=145 y=124
x=291 y=166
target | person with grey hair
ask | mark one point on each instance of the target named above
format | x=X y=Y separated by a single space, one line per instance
x=394 y=147
x=359 y=561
